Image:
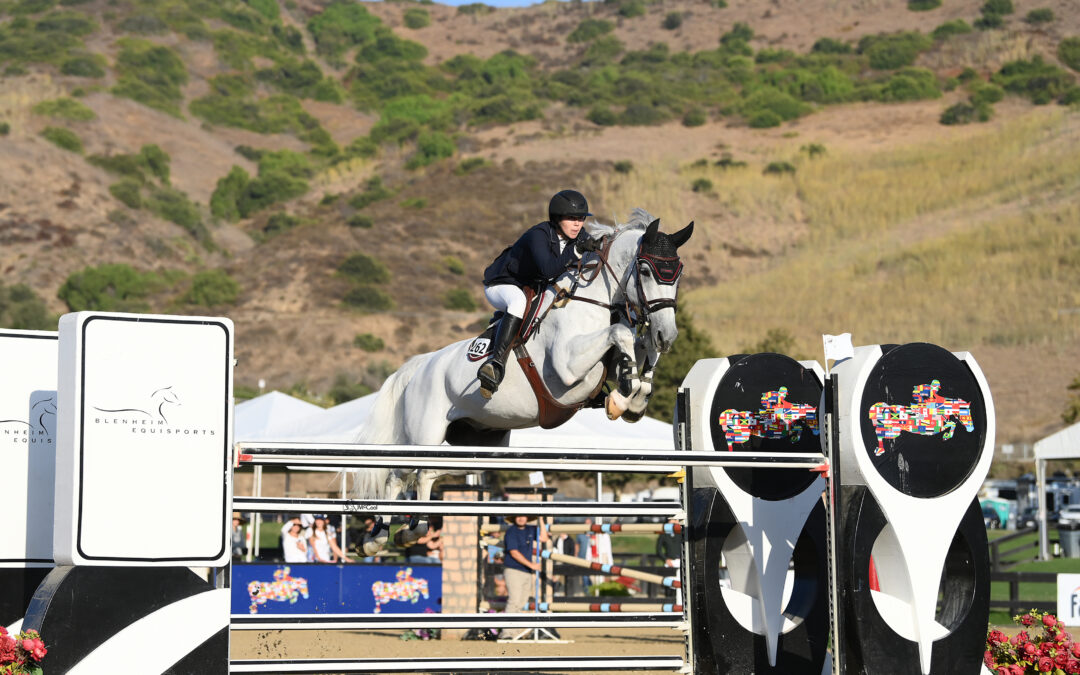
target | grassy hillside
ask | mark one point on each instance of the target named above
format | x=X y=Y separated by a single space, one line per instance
x=335 y=175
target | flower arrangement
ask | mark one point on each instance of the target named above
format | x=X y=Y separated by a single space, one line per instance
x=21 y=654
x=1042 y=646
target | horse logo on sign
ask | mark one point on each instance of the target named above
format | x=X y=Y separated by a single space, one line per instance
x=284 y=588
x=930 y=415
x=406 y=589
x=777 y=418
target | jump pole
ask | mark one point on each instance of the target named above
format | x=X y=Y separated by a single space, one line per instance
x=609 y=528
x=613 y=570
x=606 y=607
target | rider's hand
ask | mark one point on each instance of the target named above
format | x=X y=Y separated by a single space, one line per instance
x=586 y=243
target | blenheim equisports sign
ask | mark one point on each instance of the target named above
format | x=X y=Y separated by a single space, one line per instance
x=144 y=439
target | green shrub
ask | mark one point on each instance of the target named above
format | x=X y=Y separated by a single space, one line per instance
x=739 y=34
x=369 y=342
x=364 y=269
x=813 y=150
x=1041 y=15
x=212 y=288
x=108 y=288
x=431 y=146
x=374 y=191
x=1071 y=96
x=1037 y=80
x=288 y=162
x=986 y=93
x=694 y=117
x=128 y=191
x=631 y=9
x=910 y=84
x=997 y=7
x=966 y=113
x=414 y=203
x=150 y=74
x=641 y=114
x=84 y=65
x=764 y=119
x=342 y=390
x=5 y=128
x=923 y=5
x=417 y=18
x=623 y=166
x=672 y=21
x=471 y=164
x=1069 y=52
x=602 y=116
x=362 y=146
x=65 y=109
x=31 y=6
x=774 y=56
x=590 y=29
x=368 y=299
x=22 y=309
x=63 y=138
x=951 y=28
x=701 y=185
x=601 y=51
x=609 y=588
x=361 y=221
x=174 y=206
x=967 y=74
x=893 y=50
x=156 y=161
x=827 y=45
x=727 y=162
x=223 y=202
x=770 y=99
x=989 y=22
x=475 y=9
x=459 y=299
x=269 y=188
x=280 y=222
x=779 y=168
x=454 y=265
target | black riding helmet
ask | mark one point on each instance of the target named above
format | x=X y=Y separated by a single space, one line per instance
x=567 y=203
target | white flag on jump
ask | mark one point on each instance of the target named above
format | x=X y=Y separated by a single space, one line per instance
x=838 y=347
x=536 y=478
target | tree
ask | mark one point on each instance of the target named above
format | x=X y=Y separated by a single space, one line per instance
x=1072 y=408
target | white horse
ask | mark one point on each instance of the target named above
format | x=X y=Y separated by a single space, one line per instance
x=435 y=397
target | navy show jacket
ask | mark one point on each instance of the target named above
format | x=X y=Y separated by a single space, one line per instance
x=532 y=260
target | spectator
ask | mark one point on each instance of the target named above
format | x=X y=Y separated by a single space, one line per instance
x=292 y=543
x=239 y=543
x=669 y=547
x=520 y=565
x=567 y=545
x=428 y=548
x=323 y=547
x=598 y=551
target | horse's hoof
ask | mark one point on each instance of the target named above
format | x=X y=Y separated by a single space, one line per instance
x=615 y=408
x=486 y=393
x=631 y=416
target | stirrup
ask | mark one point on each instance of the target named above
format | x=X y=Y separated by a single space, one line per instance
x=490 y=375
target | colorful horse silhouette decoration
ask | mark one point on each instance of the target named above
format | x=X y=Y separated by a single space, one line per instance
x=777 y=418
x=930 y=415
x=283 y=588
x=405 y=589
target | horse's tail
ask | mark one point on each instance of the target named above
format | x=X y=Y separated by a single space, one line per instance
x=385 y=425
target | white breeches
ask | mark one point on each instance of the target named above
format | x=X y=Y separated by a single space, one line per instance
x=508 y=298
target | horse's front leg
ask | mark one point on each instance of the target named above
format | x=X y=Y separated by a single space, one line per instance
x=639 y=402
x=584 y=352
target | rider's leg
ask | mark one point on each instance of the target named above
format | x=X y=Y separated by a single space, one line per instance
x=511 y=300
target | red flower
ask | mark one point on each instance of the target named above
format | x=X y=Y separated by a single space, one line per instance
x=1045 y=664
x=1049 y=621
x=1075 y=649
x=1072 y=666
x=1030 y=649
x=1061 y=659
x=1020 y=638
x=1026 y=620
x=1017 y=669
x=39 y=652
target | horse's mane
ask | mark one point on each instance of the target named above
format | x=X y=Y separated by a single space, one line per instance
x=639 y=220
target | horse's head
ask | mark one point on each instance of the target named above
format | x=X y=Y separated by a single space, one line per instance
x=653 y=281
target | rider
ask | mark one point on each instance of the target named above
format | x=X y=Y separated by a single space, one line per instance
x=536 y=258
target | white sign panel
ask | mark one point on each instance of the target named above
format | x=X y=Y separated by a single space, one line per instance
x=143 y=471
x=1069 y=598
x=27 y=446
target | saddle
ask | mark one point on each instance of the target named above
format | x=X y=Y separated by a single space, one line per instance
x=551 y=413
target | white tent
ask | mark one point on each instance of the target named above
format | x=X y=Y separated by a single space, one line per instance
x=1064 y=444
x=271 y=417
x=279 y=417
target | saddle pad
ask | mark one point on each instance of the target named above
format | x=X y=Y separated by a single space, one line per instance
x=480 y=347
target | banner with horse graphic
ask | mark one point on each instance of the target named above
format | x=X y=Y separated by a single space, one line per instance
x=319 y=588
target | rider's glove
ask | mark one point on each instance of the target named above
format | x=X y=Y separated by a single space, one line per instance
x=587 y=243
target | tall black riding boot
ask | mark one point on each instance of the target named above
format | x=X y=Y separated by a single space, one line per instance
x=491 y=373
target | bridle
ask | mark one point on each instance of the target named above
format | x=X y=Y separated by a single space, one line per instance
x=666 y=269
